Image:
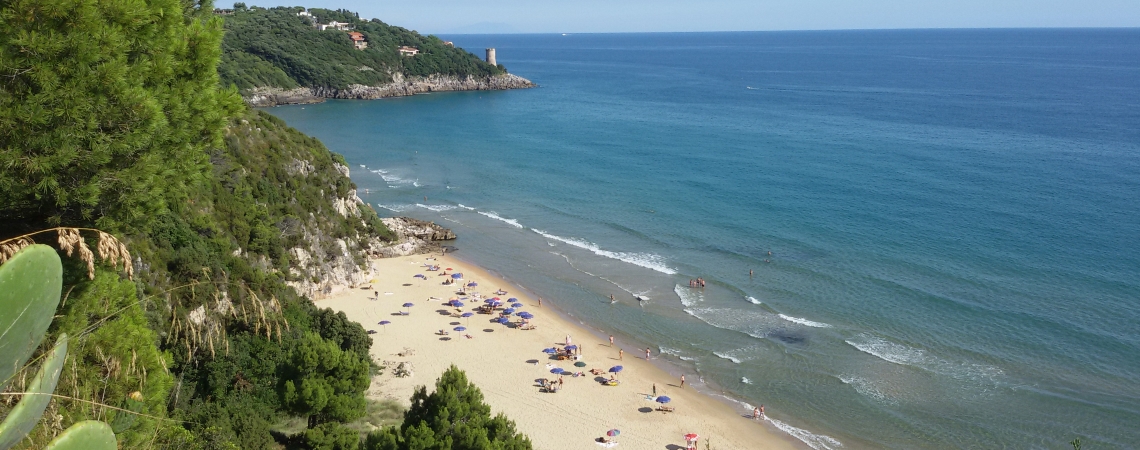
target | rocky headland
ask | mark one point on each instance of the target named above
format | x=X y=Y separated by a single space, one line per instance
x=399 y=87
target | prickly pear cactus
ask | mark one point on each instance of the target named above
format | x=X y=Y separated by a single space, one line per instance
x=85 y=435
x=30 y=284
x=124 y=420
x=37 y=395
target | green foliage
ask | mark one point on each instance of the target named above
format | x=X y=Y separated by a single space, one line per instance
x=86 y=435
x=30 y=284
x=336 y=327
x=322 y=382
x=331 y=436
x=105 y=106
x=117 y=356
x=21 y=419
x=452 y=417
x=275 y=47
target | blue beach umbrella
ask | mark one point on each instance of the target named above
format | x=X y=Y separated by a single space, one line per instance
x=616 y=369
x=516 y=305
x=503 y=320
x=384 y=323
x=512 y=299
x=489 y=301
x=549 y=350
x=457 y=304
x=409 y=306
x=526 y=315
x=571 y=347
x=472 y=284
x=466 y=314
x=460 y=329
x=557 y=370
x=456 y=276
x=663 y=399
x=509 y=311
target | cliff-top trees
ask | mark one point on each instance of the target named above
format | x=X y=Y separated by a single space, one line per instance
x=322 y=382
x=105 y=107
x=453 y=417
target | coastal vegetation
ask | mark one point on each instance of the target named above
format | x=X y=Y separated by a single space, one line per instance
x=275 y=47
x=194 y=329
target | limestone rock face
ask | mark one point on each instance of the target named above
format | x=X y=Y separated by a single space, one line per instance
x=399 y=87
x=415 y=236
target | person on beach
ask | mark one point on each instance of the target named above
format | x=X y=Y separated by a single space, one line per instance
x=611 y=340
x=755 y=413
x=647 y=353
x=567 y=339
x=761 y=411
x=654 y=389
x=612 y=300
x=682 y=381
x=620 y=353
x=560 y=382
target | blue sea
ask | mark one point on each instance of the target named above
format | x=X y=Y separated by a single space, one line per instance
x=952 y=216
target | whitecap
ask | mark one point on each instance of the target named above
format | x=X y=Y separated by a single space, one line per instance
x=646 y=260
x=688 y=296
x=493 y=215
x=745 y=380
x=804 y=322
x=466 y=207
x=436 y=208
x=394 y=208
x=754 y=301
x=815 y=441
x=728 y=356
x=677 y=353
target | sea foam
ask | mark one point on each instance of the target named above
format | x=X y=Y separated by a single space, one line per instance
x=688 y=296
x=493 y=215
x=804 y=322
x=437 y=208
x=815 y=441
x=909 y=356
x=646 y=260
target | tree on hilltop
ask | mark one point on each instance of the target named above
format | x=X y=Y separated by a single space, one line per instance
x=453 y=417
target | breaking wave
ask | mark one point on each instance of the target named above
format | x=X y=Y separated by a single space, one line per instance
x=905 y=355
x=437 y=208
x=804 y=322
x=815 y=441
x=689 y=296
x=753 y=301
x=646 y=260
x=493 y=215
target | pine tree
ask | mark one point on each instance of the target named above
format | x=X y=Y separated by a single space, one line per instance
x=106 y=107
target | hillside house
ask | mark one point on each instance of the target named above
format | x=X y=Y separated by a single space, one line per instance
x=333 y=25
x=358 y=40
x=408 y=51
x=449 y=43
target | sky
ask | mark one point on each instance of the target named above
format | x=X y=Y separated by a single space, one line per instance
x=610 y=16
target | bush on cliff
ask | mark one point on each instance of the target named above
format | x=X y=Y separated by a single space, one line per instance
x=452 y=417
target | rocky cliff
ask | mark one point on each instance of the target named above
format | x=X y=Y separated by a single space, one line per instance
x=399 y=87
x=414 y=236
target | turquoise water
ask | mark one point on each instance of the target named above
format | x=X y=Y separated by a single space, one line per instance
x=953 y=216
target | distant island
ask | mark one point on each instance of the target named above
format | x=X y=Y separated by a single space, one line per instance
x=290 y=55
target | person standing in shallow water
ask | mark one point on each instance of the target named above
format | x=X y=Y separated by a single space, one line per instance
x=611 y=340
x=647 y=353
x=621 y=352
x=682 y=381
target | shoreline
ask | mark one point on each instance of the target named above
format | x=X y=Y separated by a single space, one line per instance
x=506 y=369
x=264 y=97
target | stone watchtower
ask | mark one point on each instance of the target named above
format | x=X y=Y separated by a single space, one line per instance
x=491 y=57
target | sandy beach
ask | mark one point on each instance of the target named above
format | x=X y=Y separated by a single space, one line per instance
x=505 y=362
